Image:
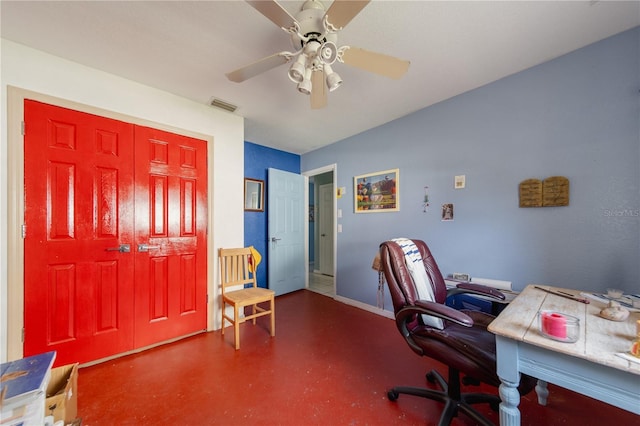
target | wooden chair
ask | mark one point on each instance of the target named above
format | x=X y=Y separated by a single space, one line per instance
x=236 y=271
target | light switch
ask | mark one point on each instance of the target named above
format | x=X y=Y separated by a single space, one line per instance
x=339 y=227
x=339 y=213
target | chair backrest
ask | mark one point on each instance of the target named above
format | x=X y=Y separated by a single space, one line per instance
x=235 y=268
x=401 y=286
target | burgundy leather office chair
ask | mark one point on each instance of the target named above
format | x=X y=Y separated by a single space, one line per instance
x=464 y=344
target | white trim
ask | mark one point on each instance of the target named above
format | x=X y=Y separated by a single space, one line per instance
x=365 y=307
x=320 y=170
x=15 y=287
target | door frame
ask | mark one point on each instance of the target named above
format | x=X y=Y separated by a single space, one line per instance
x=15 y=208
x=334 y=169
x=325 y=266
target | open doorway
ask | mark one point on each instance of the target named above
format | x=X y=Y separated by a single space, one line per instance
x=322 y=230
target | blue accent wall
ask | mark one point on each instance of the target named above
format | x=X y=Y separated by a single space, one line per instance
x=257 y=159
x=576 y=116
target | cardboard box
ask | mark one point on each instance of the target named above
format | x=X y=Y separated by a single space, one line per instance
x=23 y=387
x=62 y=394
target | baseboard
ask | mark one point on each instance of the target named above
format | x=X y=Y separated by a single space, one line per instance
x=365 y=307
x=138 y=350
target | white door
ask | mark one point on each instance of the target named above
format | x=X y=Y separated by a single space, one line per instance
x=325 y=224
x=287 y=223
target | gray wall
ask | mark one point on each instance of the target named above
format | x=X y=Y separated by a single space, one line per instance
x=576 y=116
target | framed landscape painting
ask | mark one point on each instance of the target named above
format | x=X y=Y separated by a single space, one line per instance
x=377 y=192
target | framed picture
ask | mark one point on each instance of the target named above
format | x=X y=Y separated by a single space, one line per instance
x=253 y=195
x=377 y=192
x=447 y=212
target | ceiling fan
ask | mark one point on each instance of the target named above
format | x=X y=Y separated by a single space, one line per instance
x=314 y=35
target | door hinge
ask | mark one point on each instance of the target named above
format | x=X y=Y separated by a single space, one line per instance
x=24 y=231
x=22 y=129
x=22 y=334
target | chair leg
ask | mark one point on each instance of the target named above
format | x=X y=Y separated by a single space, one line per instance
x=273 y=317
x=394 y=393
x=236 y=327
x=253 y=311
x=450 y=411
x=451 y=396
x=434 y=377
x=222 y=319
x=452 y=407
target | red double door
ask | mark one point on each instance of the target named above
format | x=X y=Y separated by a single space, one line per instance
x=115 y=235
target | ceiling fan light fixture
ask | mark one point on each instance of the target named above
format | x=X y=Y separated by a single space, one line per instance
x=296 y=72
x=333 y=79
x=314 y=37
x=328 y=52
x=305 y=85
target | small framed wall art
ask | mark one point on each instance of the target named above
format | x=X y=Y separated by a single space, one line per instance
x=253 y=195
x=377 y=192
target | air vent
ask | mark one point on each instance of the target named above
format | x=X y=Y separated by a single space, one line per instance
x=223 y=105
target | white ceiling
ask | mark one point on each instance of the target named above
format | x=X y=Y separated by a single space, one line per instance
x=186 y=47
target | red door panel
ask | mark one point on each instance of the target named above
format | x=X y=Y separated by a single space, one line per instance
x=92 y=185
x=78 y=210
x=171 y=272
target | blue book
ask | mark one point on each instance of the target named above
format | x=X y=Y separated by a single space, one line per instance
x=25 y=378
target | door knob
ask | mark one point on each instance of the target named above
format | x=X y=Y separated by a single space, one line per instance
x=146 y=247
x=122 y=248
x=274 y=239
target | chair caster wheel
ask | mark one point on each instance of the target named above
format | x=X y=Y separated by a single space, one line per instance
x=431 y=378
x=392 y=395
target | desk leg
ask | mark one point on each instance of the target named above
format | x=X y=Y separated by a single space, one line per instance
x=542 y=392
x=507 y=365
x=509 y=413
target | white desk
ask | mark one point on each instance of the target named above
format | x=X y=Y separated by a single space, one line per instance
x=588 y=366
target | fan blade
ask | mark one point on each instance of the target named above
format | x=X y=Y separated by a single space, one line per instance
x=378 y=63
x=273 y=11
x=341 y=12
x=264 y=64
x=318 y=90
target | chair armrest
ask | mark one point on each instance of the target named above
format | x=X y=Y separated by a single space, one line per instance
x=434 y=309
x=477 y=289
x=407 y=314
